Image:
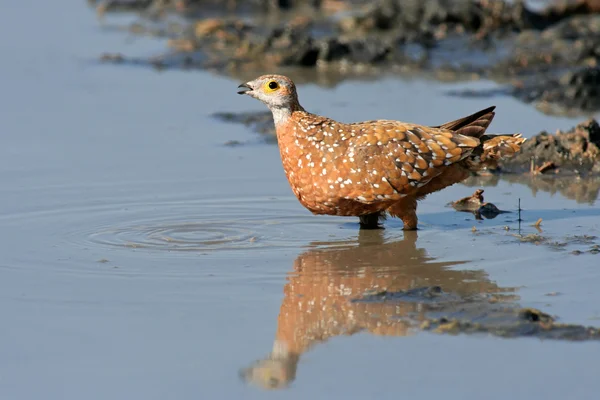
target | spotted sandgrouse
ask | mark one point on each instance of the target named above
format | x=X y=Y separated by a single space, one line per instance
x=371 y=168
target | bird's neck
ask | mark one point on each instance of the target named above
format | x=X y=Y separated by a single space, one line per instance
x=281 y=115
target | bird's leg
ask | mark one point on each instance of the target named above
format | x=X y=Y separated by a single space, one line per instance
x=371 y=221
x=406 y=210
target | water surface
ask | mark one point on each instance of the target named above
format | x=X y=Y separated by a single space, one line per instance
x=142 y=258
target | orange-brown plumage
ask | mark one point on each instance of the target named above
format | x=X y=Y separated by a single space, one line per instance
x=367 y=168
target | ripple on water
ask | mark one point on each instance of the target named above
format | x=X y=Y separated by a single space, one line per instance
x=208 y=225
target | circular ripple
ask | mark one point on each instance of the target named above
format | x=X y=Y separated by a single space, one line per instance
x=131 y=229
x=213 y=226
x=155 y=229
x=181 y=237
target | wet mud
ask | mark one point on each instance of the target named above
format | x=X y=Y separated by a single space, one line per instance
x=476 y=205
x=576 y=151
x=548 y=56
x=261 y=122
x=574 y=244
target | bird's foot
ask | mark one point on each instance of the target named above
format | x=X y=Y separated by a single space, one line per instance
x=372 y=221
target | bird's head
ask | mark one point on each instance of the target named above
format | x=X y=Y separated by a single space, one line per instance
x=276 y=91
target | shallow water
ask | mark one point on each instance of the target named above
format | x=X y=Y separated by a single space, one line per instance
x=142 y=258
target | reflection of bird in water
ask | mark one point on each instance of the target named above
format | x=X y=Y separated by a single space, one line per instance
x=317 y=303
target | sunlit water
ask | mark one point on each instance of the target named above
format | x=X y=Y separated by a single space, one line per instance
x=142 y=258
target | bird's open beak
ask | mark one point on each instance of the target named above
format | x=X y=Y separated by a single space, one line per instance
x=244 y=88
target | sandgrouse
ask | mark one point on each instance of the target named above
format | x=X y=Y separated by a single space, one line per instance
x=371 y=168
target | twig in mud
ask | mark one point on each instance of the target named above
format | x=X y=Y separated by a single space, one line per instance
x=545 y=167
x=531 y=166
x=519 y=219
x=538 y=225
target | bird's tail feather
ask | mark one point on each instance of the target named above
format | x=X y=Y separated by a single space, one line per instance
x=473 y=125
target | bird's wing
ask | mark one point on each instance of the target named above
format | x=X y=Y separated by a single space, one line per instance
x=399 y=158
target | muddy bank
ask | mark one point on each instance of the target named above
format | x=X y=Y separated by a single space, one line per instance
x=576 y=151
x=547 y=56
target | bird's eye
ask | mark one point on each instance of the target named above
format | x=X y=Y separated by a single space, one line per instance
x=272 y=85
